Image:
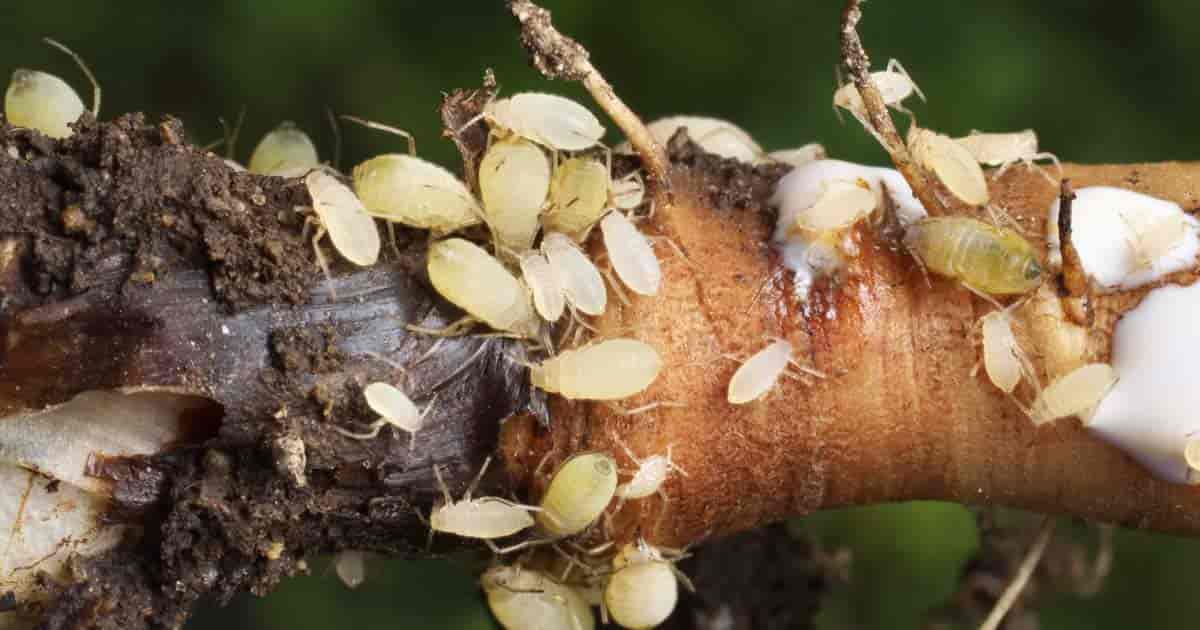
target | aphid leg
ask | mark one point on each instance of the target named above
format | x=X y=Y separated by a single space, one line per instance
x=392 y=237
x=674 y=247
x=893 y=65
x=437 y=473
x=616 y=286
x=231 y=136
x=373 y=430
x=456 y=328
x=983 y=296
x=1054 y=159
x=683 y=578
x=474 y=119
x=316 y=243
x=1003 y=168
x=460 y=369
x=536 y=542
x=477 y=479
x=644 y=408
x=87 y=72
x=370 y=124
x=412 y=437
x=428 y=353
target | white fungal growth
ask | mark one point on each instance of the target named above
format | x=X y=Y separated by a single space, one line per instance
x=1125 y=239
x=522 y=599
x=552 y=121
x=514 y=179
x=1151 y=411
x=41 y=101
x=1000 y=351
x=1075 y=394
x=759 y=373
x=609 y=370
x=578 y=493
x=351 y=567
x=714 y=135
x=894 y=85
x=579 y=196
x=285 y=151
x=484 y=518
x=799 y=156
x=630 y=254
x=951 y=163
x=470 y=278
x=1006 y=149
x=543 y=284
x=582 y=283
x=343 y=217
x=408 y=190
x=841 y=204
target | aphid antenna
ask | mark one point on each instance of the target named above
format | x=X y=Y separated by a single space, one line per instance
x=412 y=436
x=87 y=72
x=462 y=368
x=373 y=430
x=316 y=244
x=370 y=124
x=893 y=65
x=675 y=248
x=607 y=272
x=232 y=137
x=618 y=409
x=1013 y=591
x=336 y=129
x=428 y=353
x=456 y=328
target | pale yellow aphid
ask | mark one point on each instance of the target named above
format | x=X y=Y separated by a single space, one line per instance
x=578 y=493
x=550 y=120
x=894 y=85
x=609 y=370
x=759 y=373
x=340 y=214
x=1075 y=394
x=630 y=254
x=46 y=103
x=716 y=136
x=1191 y=454
x=394 y=408
x=628 y=192
x=650 y=475
x=1000 y=351
x=351 y=567
x=485 y=518
x=473 y=280
x=1154 y=237
x=582 y=283
x=799 y=156
x=840 y=205
x=579 y=196
x=514 y=179
x=951 y=163
x=417 y=193
x=1006 y=149
x=643 y=591
x=986 y=258
x=543 y=283
x=524 y=599
x=285 y=151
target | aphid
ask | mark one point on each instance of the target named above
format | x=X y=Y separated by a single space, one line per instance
x=42 y=101
x=579 y=196
x=470 y=278
x=986 y=258
x=1191 y=454
x=340 y=214
x=408 y=190
x=1000 y=351
x=630 y=254
x=582 y=283
x=951 y=163
x=840 y=205
x=543 y=283
x=1154 y=237
x=714 y=135
x=610 y=370
x=550 y=120
x=514 y=179
x=485 y=518
x=758 y=374
x=1076 y=393
x=643 y=591
x=522 y=599
x=578 y=493
x=394 y=408
x=628 y=192
x=285 y=151
x=1006 y=149
x=894 y=85
x=800 y=156
x=650 y=475
x=351 y=567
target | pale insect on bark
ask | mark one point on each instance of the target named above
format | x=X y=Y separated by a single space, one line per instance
x=470 y=278
x=43 y=102
x=1075 y=394
x=631 y=254
x=579 y=196
x=716 y=136
x=1000 y=351
x=644 y=588
x=550 y=120
x=581 y=281
x=340 y=214
x=985 y=257
x=609 y=370
x=649 y=476
x=394 y=408
x=484 y=518
x=1006 y=149
x=514 y=179
x=522 y=599
x=953 y=165
x=285 y=151
x=578 y=493
x=894 y=85
x=754 y=378
x=414 y=192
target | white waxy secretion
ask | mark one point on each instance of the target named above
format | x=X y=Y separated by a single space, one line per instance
x=522 y=599
x=759 y=373
x=476 y=282
x=579 y=195
x=714 y=135
x=483 y=518
x=578 y=493
x=581 y=282
x=408 y=190
x=1006 y=149
x=609 y=370
x=344 y=218
x=1075 y=394
x=285 y=151
x=1125 y=239
x=543 y=283
x=951 y=163
x=1151 y=411
x=514 y=179
x=552 y=121
x=631 y=254
x=1000 y=350
x=799 y=156
x=41 y=101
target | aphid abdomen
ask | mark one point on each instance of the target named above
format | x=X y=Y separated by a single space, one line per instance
x=41 y=101
x=514 y=179
x=988 y=258
x=521 y=599
x=578 y=493
x=285 y=151
x=642 y=595
x=476 y=282
x=609 y=370
x=484 y=518
x=406 y=189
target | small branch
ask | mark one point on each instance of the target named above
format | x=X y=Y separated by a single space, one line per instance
x=557 y=56
x=1013 y=591
x=856 y=60
x=1073 y=278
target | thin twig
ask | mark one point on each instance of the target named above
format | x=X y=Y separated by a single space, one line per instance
x=557 y=56
x=856 y=60
x=1024 y=572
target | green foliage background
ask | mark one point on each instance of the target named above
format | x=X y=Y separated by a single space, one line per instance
x=1100 y=81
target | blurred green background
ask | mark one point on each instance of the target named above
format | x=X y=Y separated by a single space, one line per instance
x=1099 y=80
